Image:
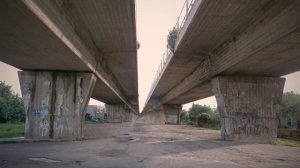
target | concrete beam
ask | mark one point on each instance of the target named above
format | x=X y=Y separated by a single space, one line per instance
x=66 y=28
x=249 y=107
x=55 y=103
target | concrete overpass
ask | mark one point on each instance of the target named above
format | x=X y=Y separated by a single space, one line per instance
x=70 y=51
x=237 y=51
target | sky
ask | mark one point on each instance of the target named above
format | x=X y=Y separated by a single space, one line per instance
x=154 y=19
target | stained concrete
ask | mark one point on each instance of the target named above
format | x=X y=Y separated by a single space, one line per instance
x=117 y=113
x=140 y=145
x=248 y=107
x=167 y=114
x=55 y=103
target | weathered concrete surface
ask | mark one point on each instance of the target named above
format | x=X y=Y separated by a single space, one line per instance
x=119 y=113
x=154 y=117
x=172 y=113
x=252 y=37
x=88 y=36
x=55 y=103
x=167 y=114
x=249 y=107
x=128 y=145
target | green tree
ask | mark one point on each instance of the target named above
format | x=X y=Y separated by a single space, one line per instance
x=11 y=105
x=184 y=117
x=172 y=36
x=196 y=110
x=290 y=107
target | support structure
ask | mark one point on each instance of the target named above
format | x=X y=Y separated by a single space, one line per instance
x=172 y=113
x=248 y=107
x=117 y=113
x=167 y=114
x=55 y=103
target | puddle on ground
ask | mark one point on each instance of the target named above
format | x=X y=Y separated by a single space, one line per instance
x=46 y=160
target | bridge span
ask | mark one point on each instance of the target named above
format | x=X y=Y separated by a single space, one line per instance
x=237 y=51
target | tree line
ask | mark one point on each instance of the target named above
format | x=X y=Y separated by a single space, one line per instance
x=11 y=105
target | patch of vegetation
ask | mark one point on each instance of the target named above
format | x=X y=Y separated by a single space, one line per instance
x=202 y=116
x=10 y=130
x=287 y=142
x=290 y=109
x=11 y=105
x=90 y=122
x=184 y=118
x=172 y=37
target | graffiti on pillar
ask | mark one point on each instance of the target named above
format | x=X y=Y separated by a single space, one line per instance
x=248 y=124
x=44 y=127
x=41 y=111
x=59 y=127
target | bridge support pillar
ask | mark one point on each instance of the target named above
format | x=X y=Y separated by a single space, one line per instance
x=166 y=114
x=118 y=113
x=55 y=103
x=248 y=107
x=172 y=113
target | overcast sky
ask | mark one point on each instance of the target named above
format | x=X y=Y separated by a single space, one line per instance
x=154 y=19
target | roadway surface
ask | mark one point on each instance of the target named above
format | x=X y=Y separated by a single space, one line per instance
x=144 y=145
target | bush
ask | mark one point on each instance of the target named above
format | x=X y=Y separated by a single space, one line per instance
x=196 y=110
x=209 y=120
x=88 y=117
x=203 y=120
x=172 y=36
x=184 y=118
x=11 y=105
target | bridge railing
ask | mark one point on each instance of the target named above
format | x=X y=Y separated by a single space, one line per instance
x=181 y=19
x=184 y=13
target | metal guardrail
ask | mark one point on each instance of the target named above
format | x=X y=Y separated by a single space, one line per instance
x=168 y=54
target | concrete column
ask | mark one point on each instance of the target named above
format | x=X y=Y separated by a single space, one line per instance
x=167 y=114
x=118 y=113
x=155 y=117
x=172 y=112
x=248 y=107
x=55 y=103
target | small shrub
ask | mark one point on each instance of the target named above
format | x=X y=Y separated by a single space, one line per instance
x=88 y=117
x=172 y=36
x=203 y=120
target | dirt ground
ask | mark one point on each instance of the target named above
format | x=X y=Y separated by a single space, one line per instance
x=139 y=145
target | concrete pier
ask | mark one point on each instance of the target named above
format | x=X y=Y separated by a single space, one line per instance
x=55 y=103
x=167 y=114
x=117 y=113
x=248 y=107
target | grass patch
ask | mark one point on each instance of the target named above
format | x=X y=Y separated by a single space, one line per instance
x=10 y=130
x=90 y=122
x=287 y=142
